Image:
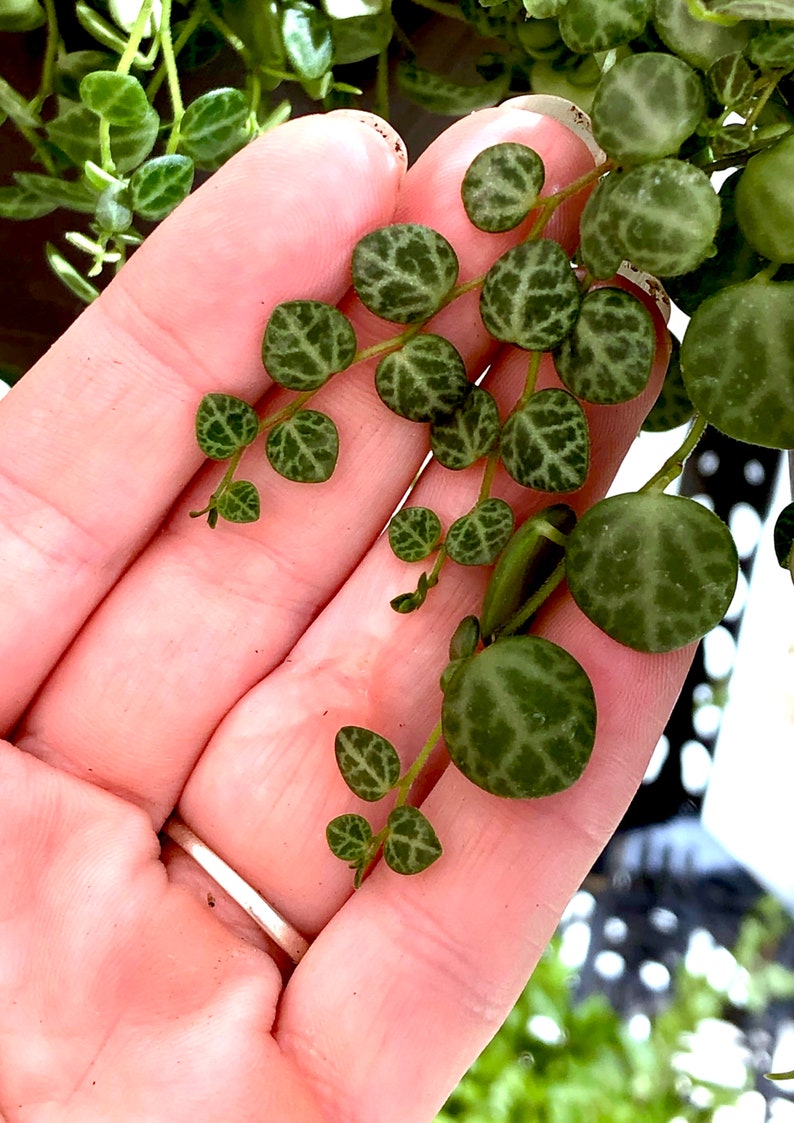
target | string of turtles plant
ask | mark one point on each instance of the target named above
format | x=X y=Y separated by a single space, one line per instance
x=654 y=571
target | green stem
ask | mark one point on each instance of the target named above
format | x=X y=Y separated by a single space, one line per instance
x=406 y=782
x=700 y=12
x=435 y=572
x=174 y=88
x=549 y=205
x=286 y=412
x=126 y=61
x=766 y=94
x=674 y=465
x=189 y=27
x=531 y=380
x=46 y=83
x=385 y=345
x=226 y=479
x=105 y=155
x=234 y=41
x=488 y=476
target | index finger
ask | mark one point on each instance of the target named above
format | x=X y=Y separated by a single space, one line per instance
x=96 y=439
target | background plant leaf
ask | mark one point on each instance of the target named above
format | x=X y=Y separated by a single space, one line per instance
x=441 y=95
x=119 y=98
x=673 y=407
x=214 y=126
x=306 y=32
x=70 y=194
x=160 y=185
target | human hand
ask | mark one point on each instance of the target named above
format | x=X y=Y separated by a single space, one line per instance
x=149 y=662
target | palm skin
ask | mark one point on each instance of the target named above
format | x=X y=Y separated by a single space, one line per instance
x=148 y=662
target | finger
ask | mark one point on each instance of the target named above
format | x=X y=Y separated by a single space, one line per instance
x=268 y=783
x=97 y=439
x=207 y=615
x=441 y=957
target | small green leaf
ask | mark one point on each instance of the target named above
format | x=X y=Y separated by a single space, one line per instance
x=755 y=9
x=546 y=444
x=349 y=837
x=225 y=424
x=71 y=194
x=239 y=503
x=600 y=25
x=306 y=341
x=773 y=49
x=404 y=273
x=501 y=186
x=214 y=126
x=19 y=203
x=519 y=718
x=784 y=536
x=749 y=393
x=608 y=356
x=414 y=532
x=306 y=32
x=305 y=447
x=529 y=559
x=411 y=844
x=531 y=296
x=441 y=95
x=21 y=15
x=409 y=602
x=160 y=185
x=654 y=571
x=458 y=441
x=112 y=213
x=368 y=762
x=465 y=638
x=673 y=406
x=119 y=98
x=75 y=282
x=424 y=381
x=732 y=79
x=479 y=537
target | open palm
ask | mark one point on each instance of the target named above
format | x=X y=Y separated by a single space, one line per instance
x=148 y=662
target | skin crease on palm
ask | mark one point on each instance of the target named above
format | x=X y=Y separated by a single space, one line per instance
x=148 y=662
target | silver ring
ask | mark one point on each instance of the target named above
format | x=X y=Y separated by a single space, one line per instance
x=271 y=922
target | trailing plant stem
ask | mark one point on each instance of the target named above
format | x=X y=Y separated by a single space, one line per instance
x=406 y=782
x=174 y=88
x=136 y=35
x=674 y=465
x=530 y=607
x=548 y=206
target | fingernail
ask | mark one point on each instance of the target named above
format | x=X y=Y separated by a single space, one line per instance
x=384 y=130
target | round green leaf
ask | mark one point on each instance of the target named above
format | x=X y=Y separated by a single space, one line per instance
x=701 y=42
x=519 y=718
x=411 y=844
x=528 y=560
x=501 y=186
x=160 y=185
x=479 y=537
x=599 y=25
x=239 y=503
x=112 y=213
x=608 y=356
x=404 y=273
x=773 y=49
x=646 y=106
x=349 y=837
x=73 y=195
x=414 y=532
x=306 y=341
x=666 y=216
x=76 y=133
x=784 y=537
x=358 y=37
x=425 y=380
x=530 y=296
x=732 y=79
x=749 y=392
x=224 y=424
x=368 y=762
x=653 y=571
x=20 y=203
x=458 y=441
x=119 y=98
x=598 y=247
x=439 y=94
x=673 y=407
x=305 y=447
x=213 y=126
x=546 y=444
